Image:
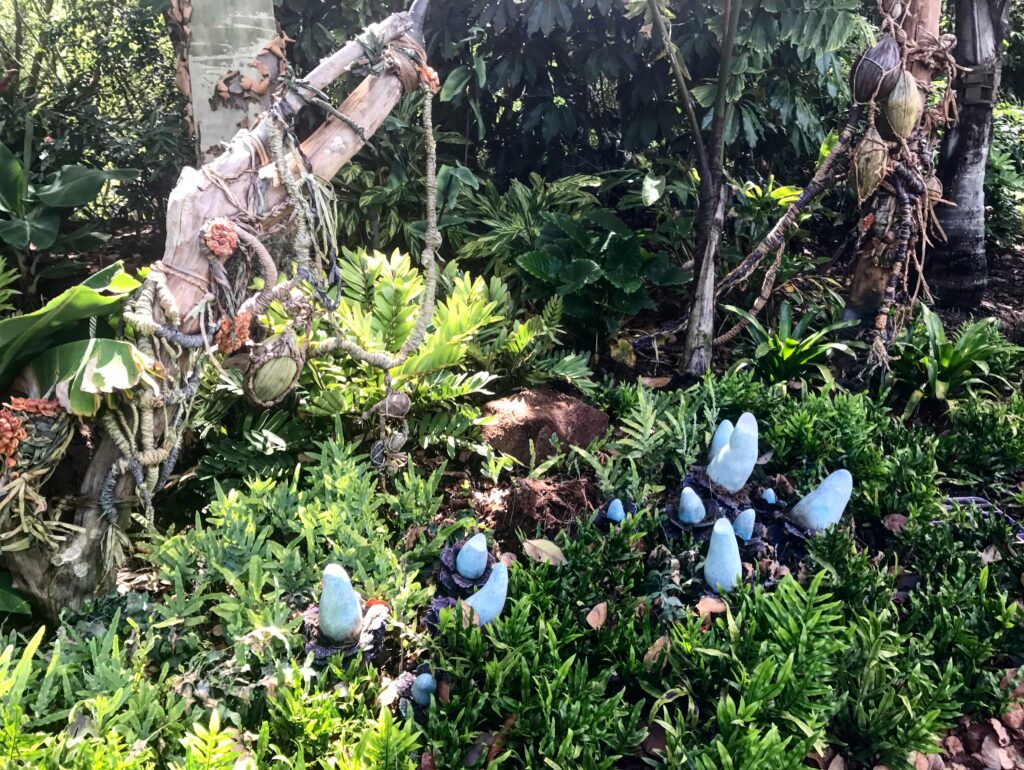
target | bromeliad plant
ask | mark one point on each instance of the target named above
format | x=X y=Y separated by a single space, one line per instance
x=789 y=354
x=932 y=368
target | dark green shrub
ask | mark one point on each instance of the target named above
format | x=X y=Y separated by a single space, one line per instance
x=984 y=447
x=894 y=470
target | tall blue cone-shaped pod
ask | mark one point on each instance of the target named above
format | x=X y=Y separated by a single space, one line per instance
x=489 y=601
x=691 y=507
x=340 y=617
x=472 y=558
x=722 y=568
x=769 y=496
x=423 y=686
x=743 y=526
x=616 y=512
x=824 y=507
x=720 y=439
x=732 y=466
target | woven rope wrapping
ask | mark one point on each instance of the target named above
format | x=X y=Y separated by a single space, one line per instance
x=133 y=426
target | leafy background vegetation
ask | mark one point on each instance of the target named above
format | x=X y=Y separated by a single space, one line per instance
x=567 y=197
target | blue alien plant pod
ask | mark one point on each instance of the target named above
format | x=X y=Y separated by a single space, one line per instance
x=691 y=507
x=720 y=439
x=743 y=526
x=423 y=686
x=489 y=601
x=732 y=466
x=341 y=612
x=472 y=559
x=722 y=568
x=616 y=512
x=824 y=507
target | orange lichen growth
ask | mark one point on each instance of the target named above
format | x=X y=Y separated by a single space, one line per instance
x=44 y=407
x=429 y=77
x=233 y=332
x=11 y=434
x=220 y=237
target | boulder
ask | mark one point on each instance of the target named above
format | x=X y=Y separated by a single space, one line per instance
x=537 y=415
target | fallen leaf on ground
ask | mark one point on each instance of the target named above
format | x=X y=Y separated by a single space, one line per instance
x=655 y=383
x=499 y=742
x=544 y=551
x=710 y=605
x=895 y=522
x=990 y=555
x=596 y=617
x=654 y=651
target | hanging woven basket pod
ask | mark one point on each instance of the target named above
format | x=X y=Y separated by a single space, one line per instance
x=274 y=369
x=902 y=108
x=874 y=74
x=870 y=159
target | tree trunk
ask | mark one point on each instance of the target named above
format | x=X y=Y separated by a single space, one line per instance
x=700 y=329
x=226 y=36
x=958 y=268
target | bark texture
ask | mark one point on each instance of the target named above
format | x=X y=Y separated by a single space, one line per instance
x=958 y=269
x=226 y=36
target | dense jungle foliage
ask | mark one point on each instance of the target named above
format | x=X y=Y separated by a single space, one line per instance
x=567 y=197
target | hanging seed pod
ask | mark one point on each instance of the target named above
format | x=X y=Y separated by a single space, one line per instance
x=396 y=404
x=867 y=168
x=378 y=453
x=274 y=368
x=395 y=441
x=875 y=73
x=902 y=108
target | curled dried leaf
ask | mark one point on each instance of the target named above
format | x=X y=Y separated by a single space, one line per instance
x=544 y=551
x=597 y=617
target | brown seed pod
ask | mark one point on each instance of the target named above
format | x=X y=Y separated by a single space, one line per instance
x=874 y=74
x=867 y=167
x=902 y=108
x=274 y=368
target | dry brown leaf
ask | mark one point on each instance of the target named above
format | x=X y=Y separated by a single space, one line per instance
x=469 y=616
x=990 y=555
x=544 y=551
x=412 y=536
x=1014 y=718
x=661 y=644
x=507 y=558
x=596 y=617
x=655 y=383
x=499 y=740
x=993 y=755
x=837 y=763
x=920 y=760
x=895 y=522
x=389 y=694
x=427 y=761
x=954 y=748
x=444 y=691
x=710 y=605
x=1001 y=736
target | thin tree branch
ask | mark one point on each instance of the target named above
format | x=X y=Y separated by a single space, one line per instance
x=664 y=29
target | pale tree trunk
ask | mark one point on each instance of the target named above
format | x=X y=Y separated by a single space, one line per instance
x=700 y=330
x=958 y=268
x=226 y=36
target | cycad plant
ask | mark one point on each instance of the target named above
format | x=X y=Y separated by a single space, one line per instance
x=792 y=354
